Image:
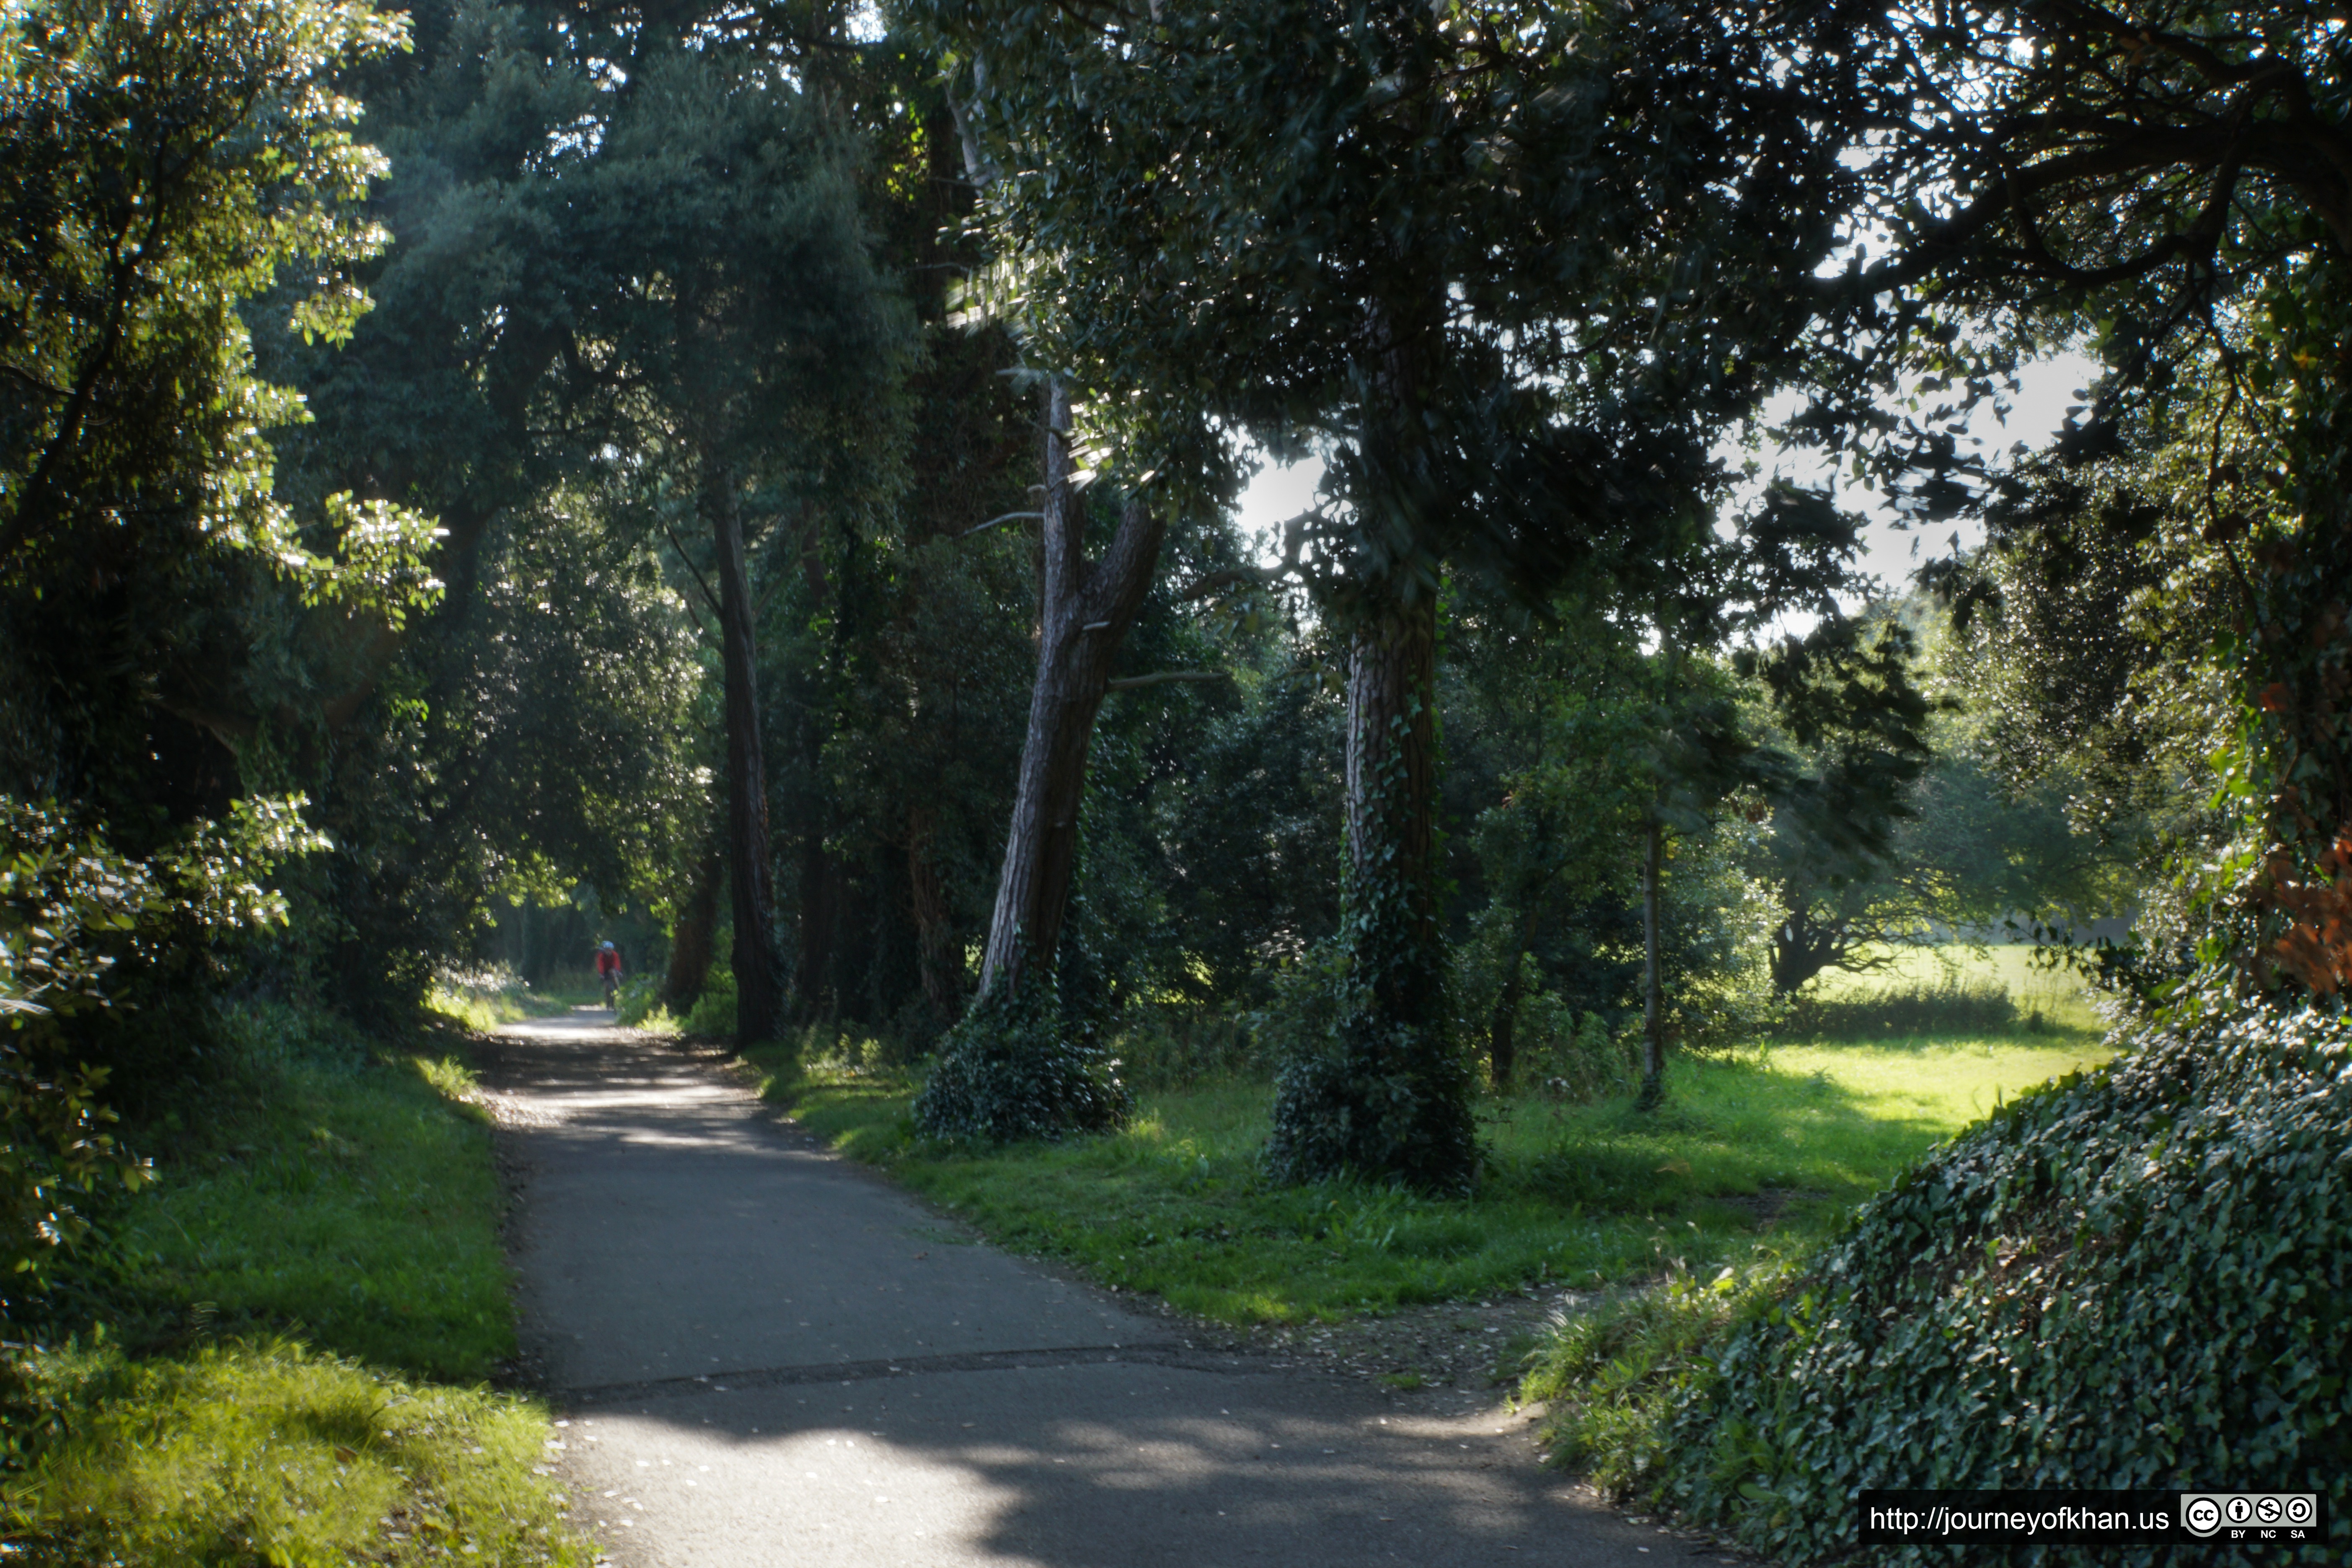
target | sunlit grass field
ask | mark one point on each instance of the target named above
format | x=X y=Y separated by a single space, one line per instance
x=1755 y=1153
x=2035 y=985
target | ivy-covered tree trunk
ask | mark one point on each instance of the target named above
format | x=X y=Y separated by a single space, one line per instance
x=758 y=1009
x=1010 y=1069
x=1390 y=1096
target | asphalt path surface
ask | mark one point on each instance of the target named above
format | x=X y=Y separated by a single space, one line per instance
x=762 y=1354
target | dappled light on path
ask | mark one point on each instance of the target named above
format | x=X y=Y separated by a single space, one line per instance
x=763 y=1355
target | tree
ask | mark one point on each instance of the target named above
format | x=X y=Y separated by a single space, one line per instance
x=743 y=337
x=1379 y=231
x=2174 y=183
x=163 y=166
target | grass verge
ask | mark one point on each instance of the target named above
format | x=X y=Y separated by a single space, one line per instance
x=482 y=1006
x=256 y=1368
x=1750 y=1158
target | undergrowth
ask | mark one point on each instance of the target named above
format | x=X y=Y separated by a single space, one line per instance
x=2137 y=1279
x=245 y=1370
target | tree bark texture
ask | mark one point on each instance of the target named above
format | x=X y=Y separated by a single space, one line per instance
x=1389 y=1097
x=1653 y=1002
x=692 y=938
x=938 y=956
x=1391 y=780
x=1084 y=614
x=758 y=1010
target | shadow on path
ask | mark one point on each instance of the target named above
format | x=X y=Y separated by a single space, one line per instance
x=765 y=1356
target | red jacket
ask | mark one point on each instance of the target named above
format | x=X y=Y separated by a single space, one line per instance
x=608 y=961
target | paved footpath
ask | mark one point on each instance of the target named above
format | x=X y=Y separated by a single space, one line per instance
x=768 y=1356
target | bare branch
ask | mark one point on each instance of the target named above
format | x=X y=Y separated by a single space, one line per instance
x=1008 y=516
x=693 y=571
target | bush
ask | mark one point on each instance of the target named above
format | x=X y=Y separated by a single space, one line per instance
x=1012 y=1070
x=1360 y=1094
x=1573 y=1057
x=642 y=1008
x=108 y=970
x=1947 y=1007
x=2136 y=1278
x=1176 y=1044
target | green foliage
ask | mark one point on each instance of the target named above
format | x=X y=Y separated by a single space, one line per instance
x=164 y=165
x=1603 y=1372
x=2133 y=1279
x=1015 y=1068
x=1753 y=1152
x=85 y=935
x=266 y=1452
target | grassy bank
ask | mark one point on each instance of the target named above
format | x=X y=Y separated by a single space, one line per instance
x=484 y=1001
x=2134 y=1279
x=275 y=1360
x=1752 y=1157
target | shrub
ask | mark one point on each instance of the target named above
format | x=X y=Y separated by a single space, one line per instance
x=2136 y=1278
x=642 y=1008
x=1175 y=1044
x=1570 y=1056
x=108 y=969
x=712 y=1017
x=1013 y=1068
x=1359 y=1093
x=1949 y=1005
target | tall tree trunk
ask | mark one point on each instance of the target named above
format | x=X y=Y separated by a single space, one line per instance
x=811 y=697
x=757 y=1003
x=820 y=922
x=1392 y=1100
x=691 y=938
x=1084 y=614
x=937 y=955
x=1391 y=1097
x=1502 y=1032
x=1653 y=1002
x=1392 y=782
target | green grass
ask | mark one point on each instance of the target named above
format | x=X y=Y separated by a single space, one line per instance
x=353 y=1205
x=257 y=1369
x=483 y=1007
x=2059 y=996
x=270 y=1453
x=1587 y=1196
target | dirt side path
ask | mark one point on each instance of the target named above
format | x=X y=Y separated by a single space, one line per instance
x=766 y=1355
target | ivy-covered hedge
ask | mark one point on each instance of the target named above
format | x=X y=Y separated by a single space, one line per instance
x=2138 y=1278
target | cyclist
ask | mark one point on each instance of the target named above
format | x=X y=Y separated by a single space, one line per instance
x=608 y=970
